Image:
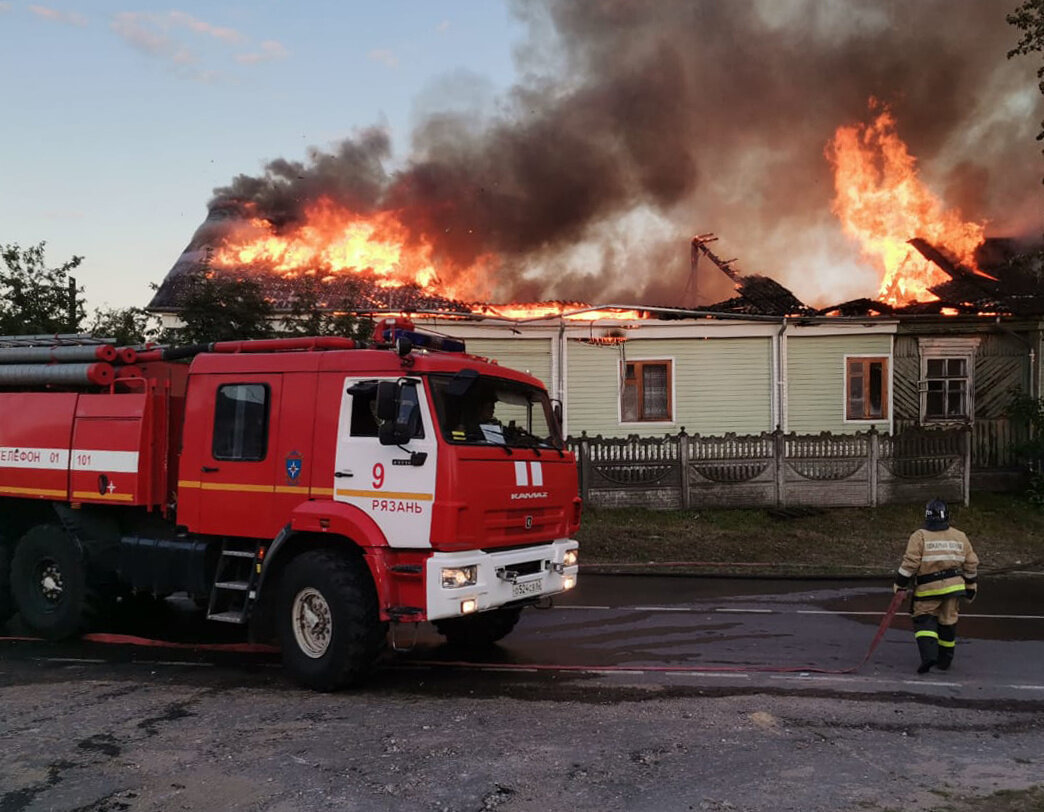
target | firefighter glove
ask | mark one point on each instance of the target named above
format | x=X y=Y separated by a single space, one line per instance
x=969 y=594
x=897 y=588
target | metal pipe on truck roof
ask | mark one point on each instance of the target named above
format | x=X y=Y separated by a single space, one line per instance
x=60 y=355
x=283 y=344
x=98 y=374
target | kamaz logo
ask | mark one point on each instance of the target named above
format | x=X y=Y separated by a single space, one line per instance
x=530 y=495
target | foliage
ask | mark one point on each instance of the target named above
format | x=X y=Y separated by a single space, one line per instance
x=220 y=308
x=128 y=326
x=1029 y=19
x=36 y=299
x=1028 y=412
x=310 y=314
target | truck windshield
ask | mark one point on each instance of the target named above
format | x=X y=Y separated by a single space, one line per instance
x=483 y=410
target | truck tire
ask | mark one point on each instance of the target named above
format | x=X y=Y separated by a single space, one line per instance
x=49 y=583
x=329 y=626
x=480 y=630
x=6 y=603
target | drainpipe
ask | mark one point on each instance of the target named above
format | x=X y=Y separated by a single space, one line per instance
x=781 y=376
x=560 y=377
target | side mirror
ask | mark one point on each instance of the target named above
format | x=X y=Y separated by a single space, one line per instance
x=387 y=400
x=402 y=425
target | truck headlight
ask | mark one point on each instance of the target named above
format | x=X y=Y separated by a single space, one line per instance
x=570 y=557
x=569 y=582
x=457 y=577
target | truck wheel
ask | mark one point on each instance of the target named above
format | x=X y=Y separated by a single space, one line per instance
x=49 y=583
x=480 y=630
x=329 y=627
x=6 y=603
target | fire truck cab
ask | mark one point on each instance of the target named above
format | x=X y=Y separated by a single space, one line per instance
x=308 y=488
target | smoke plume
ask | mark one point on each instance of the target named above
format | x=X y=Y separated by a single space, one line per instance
x=642 y=122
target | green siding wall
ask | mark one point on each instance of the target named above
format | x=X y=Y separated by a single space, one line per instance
x=816 y=381
x=720 y=385
x=532 y=355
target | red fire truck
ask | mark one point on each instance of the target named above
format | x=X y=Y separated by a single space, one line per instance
x=313 y=489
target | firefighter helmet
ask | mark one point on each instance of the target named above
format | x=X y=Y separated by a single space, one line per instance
x=936 y=515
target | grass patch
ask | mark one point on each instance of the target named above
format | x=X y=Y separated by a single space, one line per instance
x=1006 y=530
x=1006 y=800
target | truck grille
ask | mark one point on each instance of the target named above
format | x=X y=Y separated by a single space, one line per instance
x=505 y=527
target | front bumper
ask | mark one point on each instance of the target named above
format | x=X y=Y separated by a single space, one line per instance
x=502 y=577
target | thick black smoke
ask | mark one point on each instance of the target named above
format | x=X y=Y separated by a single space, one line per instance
x=661 y=119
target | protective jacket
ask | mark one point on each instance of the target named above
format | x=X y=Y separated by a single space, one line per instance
x=941 y=564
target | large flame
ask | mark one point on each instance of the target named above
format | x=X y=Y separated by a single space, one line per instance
x=333 y=240
x=883 y=204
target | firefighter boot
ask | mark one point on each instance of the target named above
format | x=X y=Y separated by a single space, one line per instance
x=947 y=643
x=926 y=630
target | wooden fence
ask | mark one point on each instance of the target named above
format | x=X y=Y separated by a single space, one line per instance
x=773 y=469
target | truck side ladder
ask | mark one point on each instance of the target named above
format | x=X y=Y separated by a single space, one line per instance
x=235 y=581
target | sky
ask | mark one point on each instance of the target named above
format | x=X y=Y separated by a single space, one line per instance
x=581 y=142
x=122 y=118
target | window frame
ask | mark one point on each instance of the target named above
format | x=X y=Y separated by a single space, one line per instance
x=667 y=362
x=945 y=347
x=266 y=425
x=886 y=387
x=923 y=387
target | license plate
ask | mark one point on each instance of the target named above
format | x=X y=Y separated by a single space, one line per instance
x=527 y=588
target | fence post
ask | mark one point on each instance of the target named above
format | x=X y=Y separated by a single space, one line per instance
x=683 y=462
x=585 y=466
x=779 y=448
x=875 y=455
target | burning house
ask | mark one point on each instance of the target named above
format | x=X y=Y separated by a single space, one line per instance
x=549 y=233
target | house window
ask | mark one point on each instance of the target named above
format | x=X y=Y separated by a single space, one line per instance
x=646 y=393
x=945 y=389
x=866 y=388
x=241 y=422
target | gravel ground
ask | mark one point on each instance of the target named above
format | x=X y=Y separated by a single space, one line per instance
x=184 y=739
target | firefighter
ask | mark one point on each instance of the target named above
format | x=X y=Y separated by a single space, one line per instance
x=941 y=567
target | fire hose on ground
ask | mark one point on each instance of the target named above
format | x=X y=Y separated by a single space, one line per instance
x=257 y=648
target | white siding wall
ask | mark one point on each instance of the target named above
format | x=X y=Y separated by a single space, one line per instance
x=530 y=355
x=816 y=381
x=719 y=385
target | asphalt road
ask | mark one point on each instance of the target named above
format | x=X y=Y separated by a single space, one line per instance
x=632 y=693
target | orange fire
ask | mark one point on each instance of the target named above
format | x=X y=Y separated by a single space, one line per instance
x=574 y=311
x=882 y=202
x=333 y=240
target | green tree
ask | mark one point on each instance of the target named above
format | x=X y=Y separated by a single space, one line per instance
x=220 y=308
x=36 y=299
x=312 y=313
x=1029 y=19
x=128 y=326
x=1027 y=413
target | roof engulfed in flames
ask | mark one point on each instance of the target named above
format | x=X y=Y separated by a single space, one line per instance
x=369 y=263
x=380 y=260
